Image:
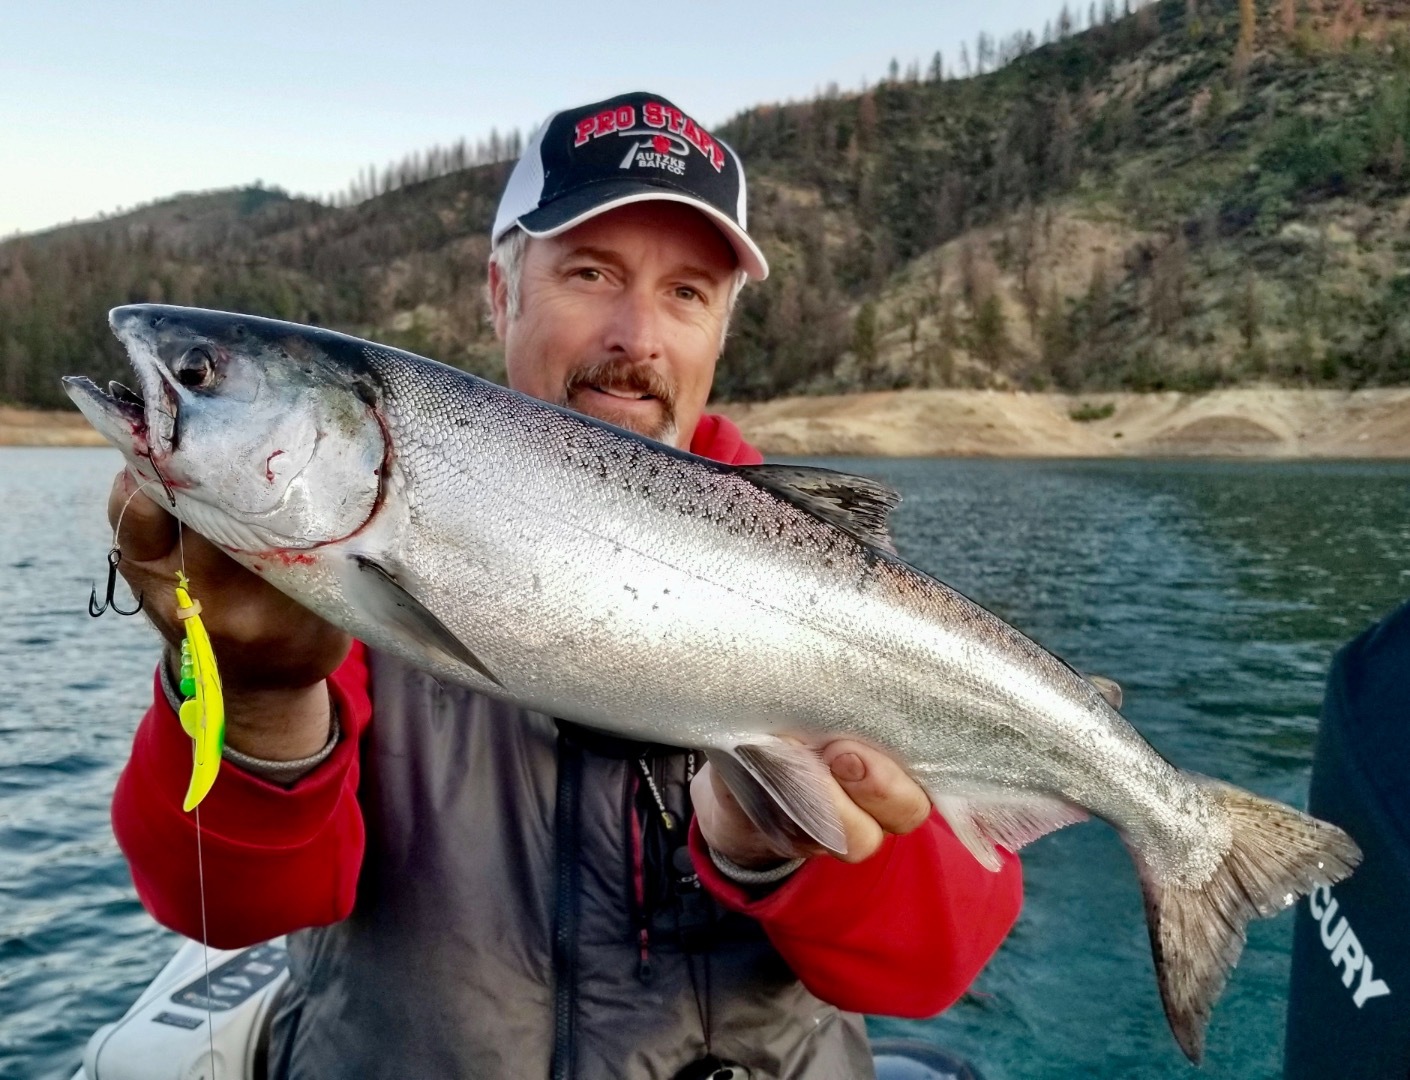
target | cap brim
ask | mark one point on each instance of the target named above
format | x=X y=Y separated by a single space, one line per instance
x=576 y=207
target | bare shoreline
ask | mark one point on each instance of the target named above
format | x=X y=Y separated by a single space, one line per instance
x=32 y=427
x=1264 y=422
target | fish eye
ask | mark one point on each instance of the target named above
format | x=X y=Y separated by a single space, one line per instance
x=195 y=368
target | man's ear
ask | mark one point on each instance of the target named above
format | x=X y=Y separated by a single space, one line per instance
x=499 y=300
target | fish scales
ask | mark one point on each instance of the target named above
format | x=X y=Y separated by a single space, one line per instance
x=588 y=573
x=742 y=521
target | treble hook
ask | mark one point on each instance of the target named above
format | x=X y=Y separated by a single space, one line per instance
x=114 y=557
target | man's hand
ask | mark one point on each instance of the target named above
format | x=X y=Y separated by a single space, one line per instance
x=873 y=796
x=274 y=655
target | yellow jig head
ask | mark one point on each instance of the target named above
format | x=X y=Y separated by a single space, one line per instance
x=203 y=711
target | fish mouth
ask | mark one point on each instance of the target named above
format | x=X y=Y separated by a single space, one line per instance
x=119 y=413
x=143 y=422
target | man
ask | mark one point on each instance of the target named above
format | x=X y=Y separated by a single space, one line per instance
x=493 y=893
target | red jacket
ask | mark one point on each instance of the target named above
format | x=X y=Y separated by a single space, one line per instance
x=903 y=933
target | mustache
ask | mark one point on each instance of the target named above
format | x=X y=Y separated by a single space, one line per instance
x=629 y=375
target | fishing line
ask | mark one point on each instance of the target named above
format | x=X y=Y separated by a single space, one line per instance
x=123 y=513
x=170 y=495
x=200 y=854
x=205 y=947
x=96 y=609
x=188 y=613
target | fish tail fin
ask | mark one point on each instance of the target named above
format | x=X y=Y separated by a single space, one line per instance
x=1275 y=855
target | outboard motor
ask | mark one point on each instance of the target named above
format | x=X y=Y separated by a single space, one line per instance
x=1349 y=1003
x=915 y=1059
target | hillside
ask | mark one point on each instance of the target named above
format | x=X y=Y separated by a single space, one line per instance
x=1195 y=195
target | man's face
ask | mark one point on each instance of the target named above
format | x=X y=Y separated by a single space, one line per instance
x=622 y=317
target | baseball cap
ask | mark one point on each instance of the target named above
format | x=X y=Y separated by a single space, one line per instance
x=631 y=148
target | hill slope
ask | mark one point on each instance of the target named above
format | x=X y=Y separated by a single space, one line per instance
x=1194 y=195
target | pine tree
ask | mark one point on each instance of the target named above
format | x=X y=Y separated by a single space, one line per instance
x=865 y=343
x=1243 y=52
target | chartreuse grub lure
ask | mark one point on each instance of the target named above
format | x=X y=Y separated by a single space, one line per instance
x=203 y=710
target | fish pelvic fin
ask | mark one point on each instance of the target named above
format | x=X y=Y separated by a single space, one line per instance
x=758 y=805
x=1009 y=819
x=794 y=777
x=1276 y=854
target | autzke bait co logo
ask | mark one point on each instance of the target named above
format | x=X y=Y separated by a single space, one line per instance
x=656 y=151
x=663 y=140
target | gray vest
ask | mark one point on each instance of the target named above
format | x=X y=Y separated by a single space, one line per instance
x=497 y=931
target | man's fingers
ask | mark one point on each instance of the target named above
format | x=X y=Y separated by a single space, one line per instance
x=873 y=796
x=148 y=531
x=878 y=786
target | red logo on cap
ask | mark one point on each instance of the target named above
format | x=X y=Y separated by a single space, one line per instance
x=661 y=144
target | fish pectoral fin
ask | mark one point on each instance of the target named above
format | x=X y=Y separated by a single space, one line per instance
x=1007 y=818
x=857 y=505
x=375 y=590
x=795 y=779
x=1109 y=689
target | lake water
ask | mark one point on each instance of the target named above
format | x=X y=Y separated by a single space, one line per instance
x=1215 y=593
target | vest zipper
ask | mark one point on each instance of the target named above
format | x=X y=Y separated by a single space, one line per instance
x=567 y=898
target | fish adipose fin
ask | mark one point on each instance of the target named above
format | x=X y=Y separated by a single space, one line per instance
x=1197 y=933
x=376 y=590
x=1109 y=688
x=795 y=779
x=1008 y=819
x=857 y=505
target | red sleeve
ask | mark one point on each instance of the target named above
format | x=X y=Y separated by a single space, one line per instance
x=902 y=934
x=717 y=437
x=275 y=859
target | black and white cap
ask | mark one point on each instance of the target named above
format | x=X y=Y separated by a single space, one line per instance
x=631 y=148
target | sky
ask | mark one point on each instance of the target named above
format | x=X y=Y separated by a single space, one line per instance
x=105 y=106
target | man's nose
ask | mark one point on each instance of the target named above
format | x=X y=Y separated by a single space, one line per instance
x=636 y=329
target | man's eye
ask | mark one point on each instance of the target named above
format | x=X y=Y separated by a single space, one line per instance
x=588 y=273
x=685 y=292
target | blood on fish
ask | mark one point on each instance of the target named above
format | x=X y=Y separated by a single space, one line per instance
x=268 y=472
x=289 y=558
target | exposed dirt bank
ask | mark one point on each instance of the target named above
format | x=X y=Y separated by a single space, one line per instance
x=25 y=427
x=1256 y=422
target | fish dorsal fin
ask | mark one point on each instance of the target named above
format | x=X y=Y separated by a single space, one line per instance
x=857 y=505
x=1109 y=689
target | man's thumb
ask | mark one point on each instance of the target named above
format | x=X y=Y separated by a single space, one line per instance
x=147 y=531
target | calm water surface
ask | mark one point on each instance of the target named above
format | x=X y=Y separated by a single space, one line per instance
x=1215 y=593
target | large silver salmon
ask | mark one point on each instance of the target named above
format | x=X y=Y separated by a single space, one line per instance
x=758 y=612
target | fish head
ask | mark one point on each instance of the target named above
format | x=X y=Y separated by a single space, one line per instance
x=259 y=433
